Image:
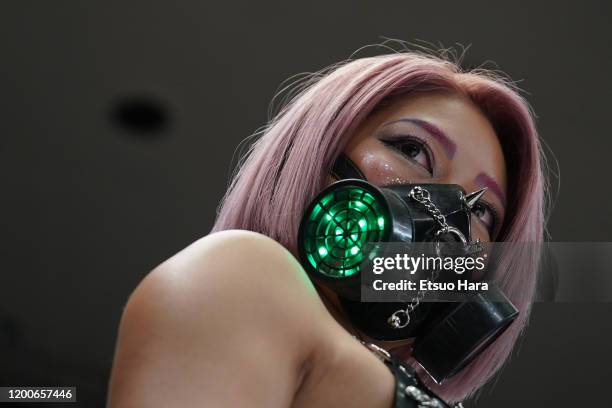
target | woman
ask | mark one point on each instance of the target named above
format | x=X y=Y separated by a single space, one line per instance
x=233 y=320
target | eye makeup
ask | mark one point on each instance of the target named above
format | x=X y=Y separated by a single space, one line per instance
x=449 y=146
x=485 y=180
x=493 y=227
x=410 y=148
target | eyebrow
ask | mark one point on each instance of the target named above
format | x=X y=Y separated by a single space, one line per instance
x=484 y=180
x=449 y=146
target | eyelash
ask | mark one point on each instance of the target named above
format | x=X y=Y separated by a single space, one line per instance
x=494 y=216
x=398 y=142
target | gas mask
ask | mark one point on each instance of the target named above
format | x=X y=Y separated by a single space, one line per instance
x=347 y=216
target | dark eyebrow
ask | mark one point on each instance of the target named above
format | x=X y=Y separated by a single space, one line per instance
x=449 y=146
x=484 y=180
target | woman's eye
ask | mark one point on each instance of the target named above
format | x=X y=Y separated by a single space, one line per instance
x=414 y=150
x=485 y=215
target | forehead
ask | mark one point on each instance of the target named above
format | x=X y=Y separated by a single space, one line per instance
x=447 y=109
x=473 y=144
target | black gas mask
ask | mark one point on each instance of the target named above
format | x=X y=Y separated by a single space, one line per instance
x=351 y=214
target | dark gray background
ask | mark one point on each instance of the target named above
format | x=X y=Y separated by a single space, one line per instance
x=89 y=207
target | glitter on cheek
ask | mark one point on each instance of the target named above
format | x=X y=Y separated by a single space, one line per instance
x=380 y=170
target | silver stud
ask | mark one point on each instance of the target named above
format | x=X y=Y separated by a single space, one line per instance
x=416 y=394
x=472 y=198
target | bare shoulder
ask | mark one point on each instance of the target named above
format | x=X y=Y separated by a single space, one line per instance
x=233 y=308
x=223 y=254
x=231 y=268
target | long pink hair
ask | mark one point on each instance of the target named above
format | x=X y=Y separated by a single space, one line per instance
x=291 y=161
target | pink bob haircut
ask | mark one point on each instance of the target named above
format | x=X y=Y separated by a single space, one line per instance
x=291 y=162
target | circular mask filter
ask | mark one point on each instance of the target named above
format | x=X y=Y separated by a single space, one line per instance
x=339 y=222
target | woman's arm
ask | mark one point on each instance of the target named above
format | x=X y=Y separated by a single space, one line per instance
x=227 y=322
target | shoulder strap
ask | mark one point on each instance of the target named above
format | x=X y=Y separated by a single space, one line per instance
x=345 y=168
x=410 y=392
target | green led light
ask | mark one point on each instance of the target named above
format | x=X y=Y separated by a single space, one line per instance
x=339 y=225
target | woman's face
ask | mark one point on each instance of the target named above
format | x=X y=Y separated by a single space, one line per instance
x=435 y=137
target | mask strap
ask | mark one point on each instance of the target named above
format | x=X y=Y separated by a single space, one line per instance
x=344 y=168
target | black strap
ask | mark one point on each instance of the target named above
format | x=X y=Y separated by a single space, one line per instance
x=410 y=392
x=344 y=168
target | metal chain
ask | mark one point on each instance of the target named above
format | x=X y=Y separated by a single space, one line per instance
x=422 y=196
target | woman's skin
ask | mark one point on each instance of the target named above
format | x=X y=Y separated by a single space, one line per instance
x=233 y=320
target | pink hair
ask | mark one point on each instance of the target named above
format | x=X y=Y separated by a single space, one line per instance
x=292 y=160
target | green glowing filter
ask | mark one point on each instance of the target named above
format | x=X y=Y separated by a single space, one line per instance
x=340 y=221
